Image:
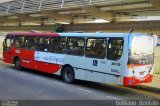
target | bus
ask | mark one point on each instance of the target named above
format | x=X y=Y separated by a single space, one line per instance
x=158 y=40
x=114 y=58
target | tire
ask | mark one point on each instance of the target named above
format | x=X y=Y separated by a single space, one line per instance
x=17 y=64
x=68 y=74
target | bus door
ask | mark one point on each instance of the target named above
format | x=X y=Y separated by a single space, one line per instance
x=115 y=60
x=7 y=49
x=95 y=59
x=104 y=59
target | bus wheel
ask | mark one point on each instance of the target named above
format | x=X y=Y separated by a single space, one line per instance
x=68 y=74
x=17 y=63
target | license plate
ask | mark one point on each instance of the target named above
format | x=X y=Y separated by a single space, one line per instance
x=142 y=72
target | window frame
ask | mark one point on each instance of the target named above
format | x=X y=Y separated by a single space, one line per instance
x=105 y=49
x=48 y=48
x=75 y=37
x=31 y=43
x=23 y=41
x=115 y=38
x=64 y=51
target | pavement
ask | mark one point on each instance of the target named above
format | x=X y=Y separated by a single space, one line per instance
x=33 y=85
x=32 y=88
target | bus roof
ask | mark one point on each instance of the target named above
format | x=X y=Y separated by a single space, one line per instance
x=32 y=34
x=94 y=34
x=73 y=34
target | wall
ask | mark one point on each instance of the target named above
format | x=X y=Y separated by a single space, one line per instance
x=145 y=27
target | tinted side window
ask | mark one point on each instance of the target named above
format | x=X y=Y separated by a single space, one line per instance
x=57 y=45
x=19 y=41
x=43 y=43
x=115 y=48
x=96 y=47
x=30 y=42
x=75 y=46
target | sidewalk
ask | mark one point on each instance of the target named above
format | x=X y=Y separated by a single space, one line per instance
x=151 y=89
x=155 y=83
x=154 y=86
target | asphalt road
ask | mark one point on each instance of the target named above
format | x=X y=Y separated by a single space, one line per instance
x=33 y=85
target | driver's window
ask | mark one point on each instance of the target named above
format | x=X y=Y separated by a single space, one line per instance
x=8 y=43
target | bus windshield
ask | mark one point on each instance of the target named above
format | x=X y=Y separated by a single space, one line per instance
x=141 y=50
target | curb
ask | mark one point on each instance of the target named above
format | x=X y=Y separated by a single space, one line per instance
x=157 y=75
x=137 y=91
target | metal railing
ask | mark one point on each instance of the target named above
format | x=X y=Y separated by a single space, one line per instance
x=27 y=6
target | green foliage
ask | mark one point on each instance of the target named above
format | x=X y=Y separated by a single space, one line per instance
x=58 y=28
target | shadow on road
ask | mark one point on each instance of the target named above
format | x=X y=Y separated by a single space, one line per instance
x=147 y=88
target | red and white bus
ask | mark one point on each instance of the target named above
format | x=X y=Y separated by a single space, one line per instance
x=115 y=58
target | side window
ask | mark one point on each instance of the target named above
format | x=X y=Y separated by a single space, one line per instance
x=96 y=47
x=7 y=44
x=30 y=42
x=57 y=45
x=75 y=46
x=19 y=41
x=115 y=48
x=43 y=43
